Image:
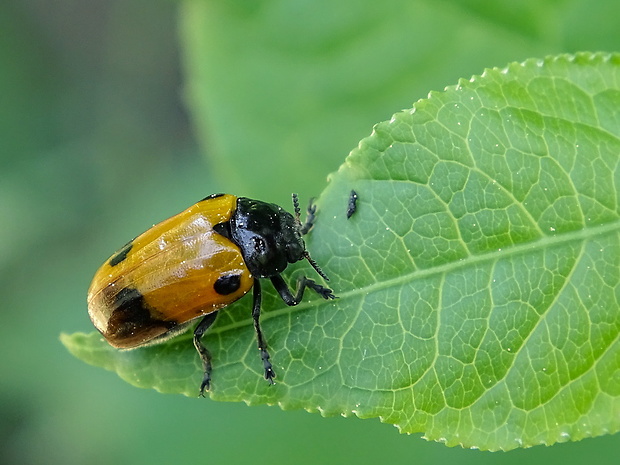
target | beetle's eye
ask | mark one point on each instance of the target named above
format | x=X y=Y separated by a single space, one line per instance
x=295 y=250
x=259 y=244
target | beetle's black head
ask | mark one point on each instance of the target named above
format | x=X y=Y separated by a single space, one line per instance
x=269 y=237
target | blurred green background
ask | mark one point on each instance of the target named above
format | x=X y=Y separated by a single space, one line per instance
x=96 y=144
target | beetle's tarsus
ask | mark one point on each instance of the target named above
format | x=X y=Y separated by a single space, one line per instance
x=205 y=386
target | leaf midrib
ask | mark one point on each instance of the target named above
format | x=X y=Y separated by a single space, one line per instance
x=515 y=250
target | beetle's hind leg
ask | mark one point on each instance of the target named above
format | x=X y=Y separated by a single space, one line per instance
x=262 y=345
x=205 y=355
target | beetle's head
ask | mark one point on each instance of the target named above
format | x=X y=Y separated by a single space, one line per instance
x=269 y=237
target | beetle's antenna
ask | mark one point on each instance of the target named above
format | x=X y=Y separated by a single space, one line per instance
x=304 y=229
x=315 y=265
x=297 y=209
x=310 y=213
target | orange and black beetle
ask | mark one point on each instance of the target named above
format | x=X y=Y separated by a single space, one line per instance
x=194 y=264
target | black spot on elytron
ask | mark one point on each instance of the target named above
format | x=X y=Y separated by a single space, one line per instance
x=121 y=254
x=132 y=317
x=223 y=229
x=352 y=206
x=227 y=284
x=212 y=196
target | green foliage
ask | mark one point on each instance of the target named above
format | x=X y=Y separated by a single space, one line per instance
x=298 y=83
x=478 y=281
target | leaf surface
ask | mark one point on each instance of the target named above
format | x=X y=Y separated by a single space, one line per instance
x=478 y=280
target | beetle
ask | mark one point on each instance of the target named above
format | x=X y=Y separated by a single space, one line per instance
x=196 y=263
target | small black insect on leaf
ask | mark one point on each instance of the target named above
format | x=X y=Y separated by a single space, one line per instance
x=352 y=205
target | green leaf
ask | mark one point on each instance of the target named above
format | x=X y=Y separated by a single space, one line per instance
x=265 y=78
x=478 y=280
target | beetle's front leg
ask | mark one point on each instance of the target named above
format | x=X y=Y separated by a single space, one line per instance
x=262 y=345
x=302 y=284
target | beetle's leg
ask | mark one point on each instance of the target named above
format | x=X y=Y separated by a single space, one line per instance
x=310 y=216
x=262 y=346
x=302 y=284
x=205 y=356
